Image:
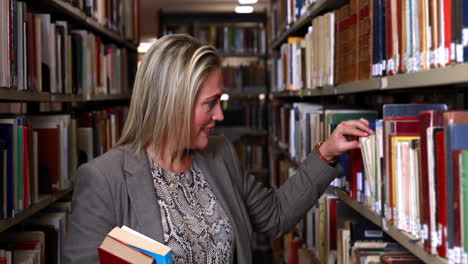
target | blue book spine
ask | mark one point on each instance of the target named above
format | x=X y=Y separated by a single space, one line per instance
x=376 y=58
x=6 y=133
x=465 y=30
x=383 y=47
x=160 y=259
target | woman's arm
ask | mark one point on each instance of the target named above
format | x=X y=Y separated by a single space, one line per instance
x=276 y=211
x=93 y=216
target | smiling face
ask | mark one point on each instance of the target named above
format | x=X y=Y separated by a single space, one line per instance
x=206 y=110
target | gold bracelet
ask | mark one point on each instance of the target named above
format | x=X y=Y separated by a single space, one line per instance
x=317 y=149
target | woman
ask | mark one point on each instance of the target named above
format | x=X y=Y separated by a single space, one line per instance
x=171 y=181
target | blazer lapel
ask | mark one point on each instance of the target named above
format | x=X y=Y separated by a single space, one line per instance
x=142 y=194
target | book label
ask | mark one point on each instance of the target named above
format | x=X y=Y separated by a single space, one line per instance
x=424 y=232
x=434 y=239
x=432 y=57
x=459 y=53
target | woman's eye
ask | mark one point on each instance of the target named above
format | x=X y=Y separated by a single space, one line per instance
x=212 y=104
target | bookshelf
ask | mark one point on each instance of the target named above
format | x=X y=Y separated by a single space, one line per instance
x=440 y=82
x=43 y=203
x=413 y=246
x=75 y=15
x=74 y=107
x=302 y=23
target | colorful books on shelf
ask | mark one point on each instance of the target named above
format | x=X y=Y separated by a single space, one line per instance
x=370 y=38
x=39 y=154
x=125 y=245
x=42 y=53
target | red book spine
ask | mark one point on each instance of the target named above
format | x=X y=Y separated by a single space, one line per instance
x=332 y=228
x=448 y=30
x=424 y=124
x=389 y=37
x=442 y=193
x=109 y=258
x=400 y=33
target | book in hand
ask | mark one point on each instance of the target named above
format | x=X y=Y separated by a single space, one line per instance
x=124 y=245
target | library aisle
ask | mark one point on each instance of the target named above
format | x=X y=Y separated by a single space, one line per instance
x=293 y=71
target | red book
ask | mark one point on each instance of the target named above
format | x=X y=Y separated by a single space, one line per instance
x=389 y=34
x=112 y=251
x=448 y=30
x=441 y=205
x=293 y=252
x=49 y=154
x=427 y=120
x=355 y=167
x=400 y=33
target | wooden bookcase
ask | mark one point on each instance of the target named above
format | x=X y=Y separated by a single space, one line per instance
x=451 y=80
x=77 y=19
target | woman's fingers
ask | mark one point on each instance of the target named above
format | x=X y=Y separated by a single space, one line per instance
x=362 y=124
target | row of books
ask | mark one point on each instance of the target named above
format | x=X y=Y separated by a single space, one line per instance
x=41 y=238
x=249 y=113
x=307 y=62
x=122 y=16
x=300 y=126
x=234 y=39
x=285 y=13
x=426 y=153
x=332 y=232
x=411 y=170
x=367 y=38
x=42 y=54
x=244 y=78
x=40 y=153
x=252 y=152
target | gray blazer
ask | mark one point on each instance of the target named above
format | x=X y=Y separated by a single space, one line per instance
x=117 y=189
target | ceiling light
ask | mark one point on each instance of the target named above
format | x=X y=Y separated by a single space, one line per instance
x=244 y=9
x=247 y=2
x=224 y=97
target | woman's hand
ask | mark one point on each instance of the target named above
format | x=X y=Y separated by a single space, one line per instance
x=345 y=138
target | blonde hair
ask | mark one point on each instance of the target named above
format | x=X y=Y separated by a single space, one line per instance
x=166 y=85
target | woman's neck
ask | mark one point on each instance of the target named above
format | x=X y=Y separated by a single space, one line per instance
x=164 y=157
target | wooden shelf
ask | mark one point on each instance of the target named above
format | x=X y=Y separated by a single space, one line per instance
x=28 y=96
x=78 y=15
x=8 y=94
x=79 y=98
x=401 y=237
x=302 y=22
x=44 y=202
x=451 y=75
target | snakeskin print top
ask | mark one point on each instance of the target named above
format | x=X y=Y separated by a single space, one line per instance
x=195 y=225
